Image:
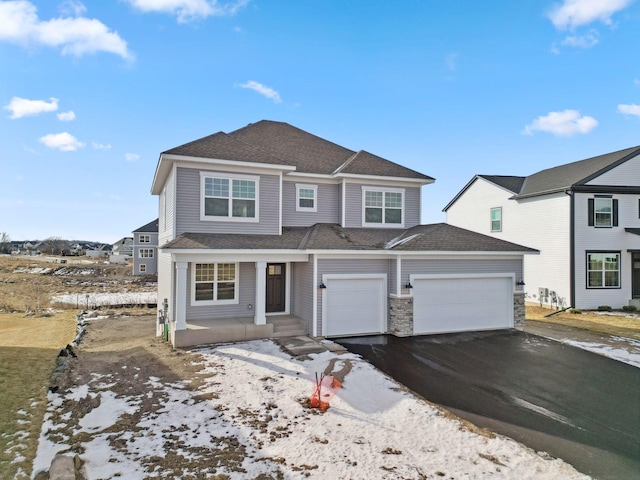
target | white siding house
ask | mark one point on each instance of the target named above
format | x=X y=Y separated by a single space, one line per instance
x=583 y=217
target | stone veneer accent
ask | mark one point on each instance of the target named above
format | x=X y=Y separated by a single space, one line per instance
x=518 y=310
x=401 y=316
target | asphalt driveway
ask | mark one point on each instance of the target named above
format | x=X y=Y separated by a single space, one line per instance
x=573 y=404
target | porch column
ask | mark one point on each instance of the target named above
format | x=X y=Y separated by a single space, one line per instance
x=181 y=295
x=261 y=293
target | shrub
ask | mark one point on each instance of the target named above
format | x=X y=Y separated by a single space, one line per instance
x=604 y=308
x=576 y=311
x=629 y=308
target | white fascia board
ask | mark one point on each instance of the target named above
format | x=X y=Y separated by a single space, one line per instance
x=421 y=181
x=221 y=161
x=224 y=256
x=160 y=176
x=315 y=177
x=409 y=255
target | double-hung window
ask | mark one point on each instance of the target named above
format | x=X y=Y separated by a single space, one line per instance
x=145 y=238
x=603 y=270
x=496 y=219
x=230 y=198
x=383 y=207
x=145 y=253
x=306 y=198
x=215 y=283
x=603 y=211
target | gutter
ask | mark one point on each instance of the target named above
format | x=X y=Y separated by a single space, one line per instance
x=572 y=248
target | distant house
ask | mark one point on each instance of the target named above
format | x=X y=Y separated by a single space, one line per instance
x=270 y=231
x=145 y=249
x=583 y=216
x=124 y=246
x=97 y=251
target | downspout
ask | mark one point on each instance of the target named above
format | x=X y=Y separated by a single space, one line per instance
x=572 y=249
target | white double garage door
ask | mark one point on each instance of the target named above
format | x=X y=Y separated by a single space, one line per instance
x=357 y=304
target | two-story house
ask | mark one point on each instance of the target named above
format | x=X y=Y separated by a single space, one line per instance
x=269 y=224
x=145 y=249
x=583 y=217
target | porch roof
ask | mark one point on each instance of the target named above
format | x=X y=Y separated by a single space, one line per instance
x=434 y=237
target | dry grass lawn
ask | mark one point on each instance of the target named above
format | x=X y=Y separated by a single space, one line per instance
x=28 y=351
x=614 y=323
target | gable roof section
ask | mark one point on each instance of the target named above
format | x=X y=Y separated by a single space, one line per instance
x=151 y=227
x=439 y=237
x=572 y=174
x=277 y=143
x=509 y=183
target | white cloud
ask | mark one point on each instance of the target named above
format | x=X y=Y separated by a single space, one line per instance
x=562 y=124
x=70 y=7
x=636 y=82
x=131 y=157
x=100 y=146
x=451 y=61
x=262 y=90
x=66 y=116
x=631 y=109
x=19 y=24
x=187 y=10
x=23 y=107
x=582 y=41
x=65 y=142
x=575 y=13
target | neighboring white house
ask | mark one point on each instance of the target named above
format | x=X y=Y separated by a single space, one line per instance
x=145 y=249
x=583 y=217
x=269 y=227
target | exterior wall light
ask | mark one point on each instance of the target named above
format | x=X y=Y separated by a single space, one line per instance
x=520 y=282
x=322 y=285
x=408 y=285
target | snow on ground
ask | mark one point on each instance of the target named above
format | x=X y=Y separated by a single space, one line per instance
x=106 y=299
x=627 y=351
x=249 y=419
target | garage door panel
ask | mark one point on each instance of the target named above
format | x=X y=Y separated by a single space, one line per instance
x=458 y=304
x=354 y=306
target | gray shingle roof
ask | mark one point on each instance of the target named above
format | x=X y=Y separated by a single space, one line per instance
x=283 y=144
x=435 y=237
x=575 y=173
x=151 y=227
x=511 y=183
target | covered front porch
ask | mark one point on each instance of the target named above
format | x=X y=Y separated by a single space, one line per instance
x=237 y=329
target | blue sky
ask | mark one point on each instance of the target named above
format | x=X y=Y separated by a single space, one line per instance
x=92 y=92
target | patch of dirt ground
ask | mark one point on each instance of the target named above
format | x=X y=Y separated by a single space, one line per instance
x=123 y=354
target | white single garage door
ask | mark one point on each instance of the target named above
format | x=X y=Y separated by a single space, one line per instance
x=354 y=304
x=455 y=304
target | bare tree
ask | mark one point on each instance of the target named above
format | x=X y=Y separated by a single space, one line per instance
x=54 y=246
x=5 y=242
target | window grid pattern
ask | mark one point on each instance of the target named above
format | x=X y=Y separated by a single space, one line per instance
x=219 y=201
x=603 y=270
x=383 y=207
x=145 y=253
x=215 y=282
x=603 y=212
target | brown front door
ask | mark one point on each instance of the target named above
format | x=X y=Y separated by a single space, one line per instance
x=276 y=286
x=635 y=261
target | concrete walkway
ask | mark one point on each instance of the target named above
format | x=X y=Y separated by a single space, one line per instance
x=302 y=346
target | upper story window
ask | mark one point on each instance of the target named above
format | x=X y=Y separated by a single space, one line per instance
x=229 y=198
x=306 y=198
x=603 y=270
x=145 y=238
x=215 y=283
x=383 y=207
x=603 y=211
x=496 y=219
x=145 y=253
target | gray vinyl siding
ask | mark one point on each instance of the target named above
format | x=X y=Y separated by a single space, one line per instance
x=302 y=293
x=188 y=207
x=349 y=266
x=328 y=205
x=353 y=203
x=165 y=282
x=151 y=263
x=167 y=217
x=449 y=266
x=246 y=292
